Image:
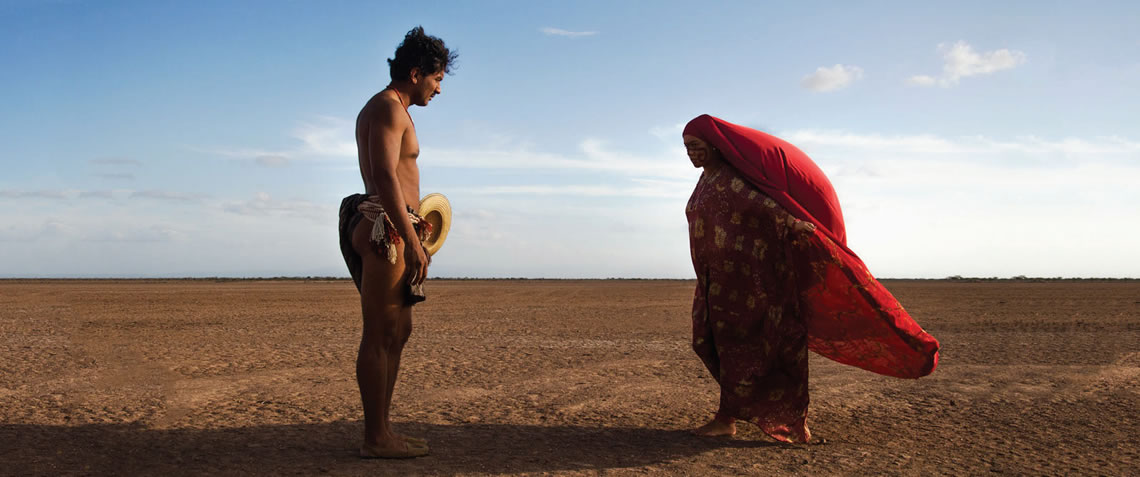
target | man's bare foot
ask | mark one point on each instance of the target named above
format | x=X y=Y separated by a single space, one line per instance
x=716 y=427
x=419 y=441
x=393 y=449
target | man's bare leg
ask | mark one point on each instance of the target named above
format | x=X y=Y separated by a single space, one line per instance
x=404 y=330
x=386 y=327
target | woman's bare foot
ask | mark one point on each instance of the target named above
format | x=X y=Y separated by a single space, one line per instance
x=716 y=427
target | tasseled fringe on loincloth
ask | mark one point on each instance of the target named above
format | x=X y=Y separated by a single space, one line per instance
x=384 y=231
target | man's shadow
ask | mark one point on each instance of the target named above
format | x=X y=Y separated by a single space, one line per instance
x=309 y=449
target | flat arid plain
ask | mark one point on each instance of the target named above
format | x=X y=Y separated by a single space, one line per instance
x=139 y=377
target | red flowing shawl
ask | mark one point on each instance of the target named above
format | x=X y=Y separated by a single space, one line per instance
x=851 y=317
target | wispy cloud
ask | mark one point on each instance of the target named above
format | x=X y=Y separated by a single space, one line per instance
x=922 y=80
x=36 y=194
x=331 y=137
x=114 y=168
x=323 y=138
x=47 y=229
x=76 y=229
x=152 y=233
x=272 y=160
x=64 y=194
x=328 y=136
x=567 y=33
x=115 y=161
x=640 y=188
x=97 y=194
x=977 y=169
x=119 y=176
x=668 y=133
x=978 y=197
x=833 y=78
x=262 y=204
x=961 y=61
x=248 y=153
x=594 y=156
x=166 y=195
x=967 y=146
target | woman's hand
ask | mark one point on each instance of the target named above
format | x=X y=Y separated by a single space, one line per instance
x=800 y=225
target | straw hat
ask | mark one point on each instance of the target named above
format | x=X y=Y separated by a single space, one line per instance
x=436 y=210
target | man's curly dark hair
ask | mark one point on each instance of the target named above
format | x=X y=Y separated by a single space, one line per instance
x=423 y=51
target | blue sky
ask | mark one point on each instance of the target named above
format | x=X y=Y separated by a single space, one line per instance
x=215 y=138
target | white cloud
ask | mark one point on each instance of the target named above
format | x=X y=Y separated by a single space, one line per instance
x=329 y=137
x=624 y=238
x=36 y=194
x=46 y=229
x=323 y=138
x=668 y=133
x=97 y=194
x=66 y=227
x=249 y=153
x=264 y=205
x=95 y=238
x=118 y=176
x=70 y=194
x=833 y=78
x=935 y=206
x=1028 y=147
x=166 y=195
x=272 y=160
x=962 y=61
x=115 y=161
x=152 y=233
x=922 y=80
x=806 y=138
x=641 y=188
x=560 y=32
x=594 y=156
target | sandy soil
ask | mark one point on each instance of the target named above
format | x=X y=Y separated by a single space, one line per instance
x=561 y=377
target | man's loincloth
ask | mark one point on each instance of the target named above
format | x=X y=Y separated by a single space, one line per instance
x=357 y=207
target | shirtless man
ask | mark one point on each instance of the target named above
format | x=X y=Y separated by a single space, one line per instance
x=381 y=233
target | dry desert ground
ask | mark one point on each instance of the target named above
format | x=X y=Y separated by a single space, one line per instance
x=177 y=377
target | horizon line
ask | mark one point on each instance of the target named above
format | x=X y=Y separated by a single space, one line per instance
x=340 y=278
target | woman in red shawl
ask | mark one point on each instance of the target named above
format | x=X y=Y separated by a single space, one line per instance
x=775 y=278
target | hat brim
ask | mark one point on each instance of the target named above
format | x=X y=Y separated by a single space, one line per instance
x=436 y=210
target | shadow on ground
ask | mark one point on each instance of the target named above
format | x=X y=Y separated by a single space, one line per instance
x=308 y=449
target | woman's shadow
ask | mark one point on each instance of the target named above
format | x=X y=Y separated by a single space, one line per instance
x=330 y=448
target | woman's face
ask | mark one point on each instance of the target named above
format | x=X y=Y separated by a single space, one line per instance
x=700 y=152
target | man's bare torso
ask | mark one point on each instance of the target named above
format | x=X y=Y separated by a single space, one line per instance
x=407 y=171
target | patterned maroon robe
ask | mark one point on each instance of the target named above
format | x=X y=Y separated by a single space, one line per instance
x=747 y=326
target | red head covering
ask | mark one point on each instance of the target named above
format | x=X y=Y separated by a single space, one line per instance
x=778 y=169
